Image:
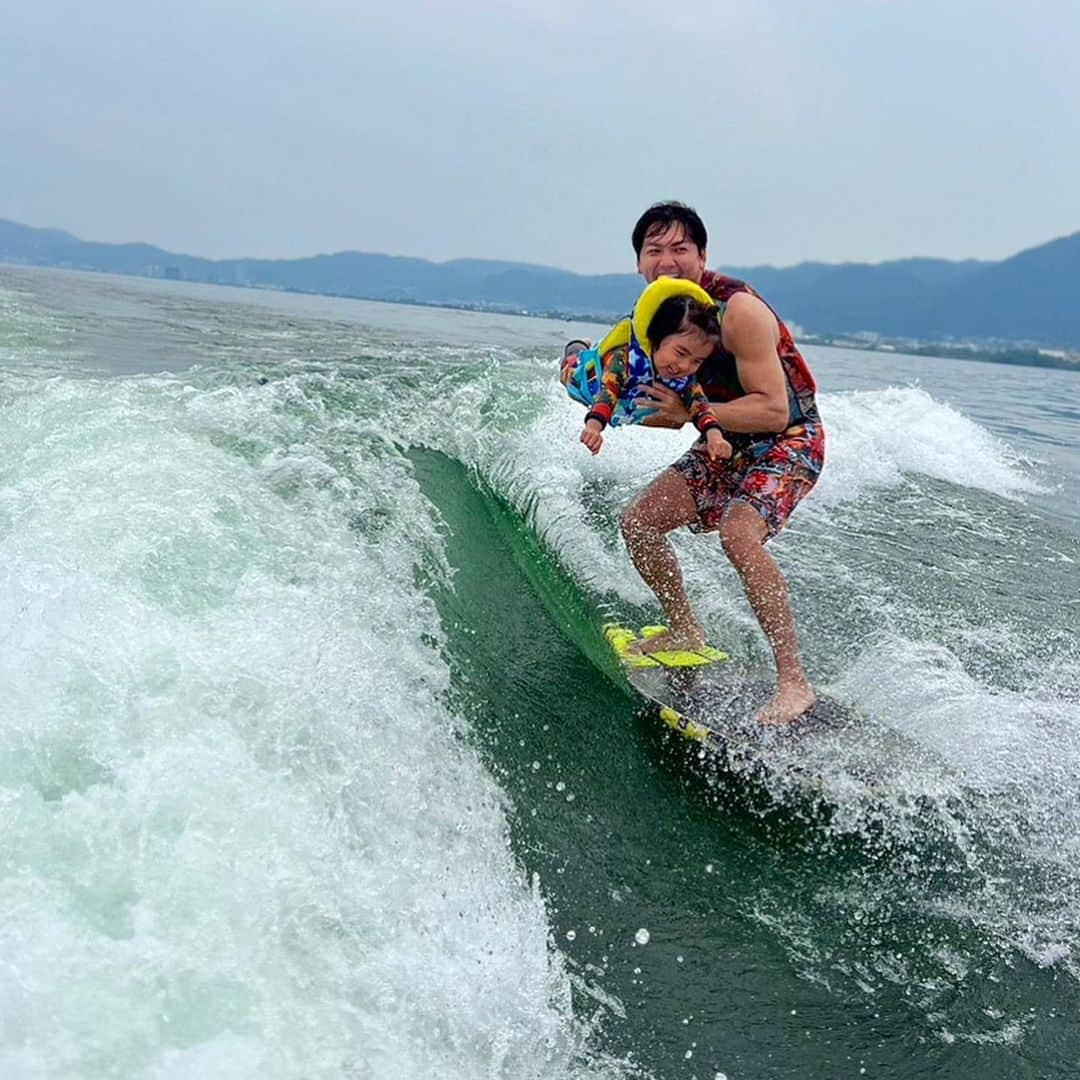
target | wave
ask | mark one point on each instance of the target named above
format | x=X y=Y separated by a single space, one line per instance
x=245 y=825
x=287 y=742
x=919 y=638
x=879 y=437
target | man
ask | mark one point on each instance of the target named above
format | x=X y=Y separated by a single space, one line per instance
x=762 y=393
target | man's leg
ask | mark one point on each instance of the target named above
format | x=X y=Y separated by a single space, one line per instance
x=743 y=534
x=664 y=505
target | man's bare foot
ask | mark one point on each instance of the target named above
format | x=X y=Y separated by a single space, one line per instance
x=787 y=704
x=668 y=641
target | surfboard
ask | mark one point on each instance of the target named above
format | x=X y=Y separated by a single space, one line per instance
x=832 y=751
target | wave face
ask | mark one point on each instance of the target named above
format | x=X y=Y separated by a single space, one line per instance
x=243 y=833
x=310 y=764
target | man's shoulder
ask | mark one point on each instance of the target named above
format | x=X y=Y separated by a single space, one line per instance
x=721 y=287
x=748 y=322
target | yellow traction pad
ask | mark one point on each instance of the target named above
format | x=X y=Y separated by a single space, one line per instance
x=620 y=638
x=684 y=725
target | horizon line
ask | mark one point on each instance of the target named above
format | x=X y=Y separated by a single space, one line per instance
x=522 y=263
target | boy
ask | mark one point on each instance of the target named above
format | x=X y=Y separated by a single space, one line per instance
x=672 y=332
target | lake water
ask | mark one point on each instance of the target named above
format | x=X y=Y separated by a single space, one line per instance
x=310 y=765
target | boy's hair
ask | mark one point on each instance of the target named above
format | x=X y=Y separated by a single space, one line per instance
x=661 y=216
x=679 y=313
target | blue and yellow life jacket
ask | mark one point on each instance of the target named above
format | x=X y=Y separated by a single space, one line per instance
x=632 y=334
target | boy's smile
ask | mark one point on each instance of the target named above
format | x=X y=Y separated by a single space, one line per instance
x=681 y=354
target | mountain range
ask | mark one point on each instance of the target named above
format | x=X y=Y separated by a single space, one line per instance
x=1032 y=297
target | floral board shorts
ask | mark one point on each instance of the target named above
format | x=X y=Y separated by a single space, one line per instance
x=771 y=475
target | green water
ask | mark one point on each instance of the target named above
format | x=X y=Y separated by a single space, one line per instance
x=627 y=830
x=314 y=763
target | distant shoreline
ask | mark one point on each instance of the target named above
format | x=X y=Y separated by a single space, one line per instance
x=1017 y=357
x=1014 y=355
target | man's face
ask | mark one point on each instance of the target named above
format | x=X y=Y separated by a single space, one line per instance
x=669 y=252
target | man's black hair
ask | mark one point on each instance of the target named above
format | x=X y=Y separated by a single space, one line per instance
x=661 y=216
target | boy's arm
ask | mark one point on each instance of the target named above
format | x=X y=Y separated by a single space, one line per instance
x=612 y=383
x=697 y=405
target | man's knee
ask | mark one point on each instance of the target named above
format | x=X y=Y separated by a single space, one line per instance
x=664 y=505
x=648 y=519
x=634 y=523
x=742 y=532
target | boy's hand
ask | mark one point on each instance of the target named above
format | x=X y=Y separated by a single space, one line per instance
x=592 y=437
x=716 y=444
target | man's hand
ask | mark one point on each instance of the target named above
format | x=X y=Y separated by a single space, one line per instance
x=670 y=410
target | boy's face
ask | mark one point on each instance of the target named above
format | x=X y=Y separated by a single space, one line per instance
x=669 y=252
x=681 y=354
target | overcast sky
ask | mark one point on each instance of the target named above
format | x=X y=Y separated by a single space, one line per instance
x=538 y=131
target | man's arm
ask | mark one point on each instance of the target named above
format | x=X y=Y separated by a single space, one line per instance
x=751 y=333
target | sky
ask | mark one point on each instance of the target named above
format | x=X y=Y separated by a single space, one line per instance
x=538 y=132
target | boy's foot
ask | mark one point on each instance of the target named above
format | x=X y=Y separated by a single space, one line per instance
x=787 y=704
x=570 y=358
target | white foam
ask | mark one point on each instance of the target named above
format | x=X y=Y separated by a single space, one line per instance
x=240 y=833
x=1018 y=753
x=997 y=737
x=877 y=437
x=875 y=441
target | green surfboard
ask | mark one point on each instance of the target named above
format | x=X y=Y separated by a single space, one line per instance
x=832 y=751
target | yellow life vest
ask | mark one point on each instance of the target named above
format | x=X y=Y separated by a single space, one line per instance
x=636 y=326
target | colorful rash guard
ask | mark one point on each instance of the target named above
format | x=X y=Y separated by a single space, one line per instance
x=618 y=383
x=719 y=376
